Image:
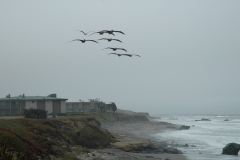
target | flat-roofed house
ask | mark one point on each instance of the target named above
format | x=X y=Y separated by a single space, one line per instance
x=16 y=105
x=73 y=107
x=86 y=107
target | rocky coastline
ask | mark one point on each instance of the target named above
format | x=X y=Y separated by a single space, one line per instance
x=134 y=140
x=92 y=137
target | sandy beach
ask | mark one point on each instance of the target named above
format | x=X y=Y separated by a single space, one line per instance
x=128 y=136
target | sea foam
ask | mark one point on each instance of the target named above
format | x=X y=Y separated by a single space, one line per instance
x=209 y=137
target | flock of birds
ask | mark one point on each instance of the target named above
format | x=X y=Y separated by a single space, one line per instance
x=110 y=32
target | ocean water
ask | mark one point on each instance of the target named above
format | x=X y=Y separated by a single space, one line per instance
x=208 y=137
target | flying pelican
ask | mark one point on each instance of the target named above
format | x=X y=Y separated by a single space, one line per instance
x=102 y=32
x=130 y=55
x=110 y=39
x=83 y=40
x=114 y=49
x=116 y=54
x=111 y=31
x=85 y=33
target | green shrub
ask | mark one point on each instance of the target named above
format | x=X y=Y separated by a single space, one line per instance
x=35 y=113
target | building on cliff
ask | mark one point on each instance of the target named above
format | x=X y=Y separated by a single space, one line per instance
x=16 y=105
x=92 y=106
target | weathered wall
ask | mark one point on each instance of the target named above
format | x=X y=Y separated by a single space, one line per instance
x=29 y=104
x=49 y=106
x=63 y=107
x=86 y=107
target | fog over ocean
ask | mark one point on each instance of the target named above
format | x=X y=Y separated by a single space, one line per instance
x=209 y=137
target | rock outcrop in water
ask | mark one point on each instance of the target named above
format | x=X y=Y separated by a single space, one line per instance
x=231 y=149
x=183 y=127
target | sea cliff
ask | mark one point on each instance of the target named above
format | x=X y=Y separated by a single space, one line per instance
x=98 y=135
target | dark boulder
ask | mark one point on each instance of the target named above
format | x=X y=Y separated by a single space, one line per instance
x=183 y=127
x=231 y=149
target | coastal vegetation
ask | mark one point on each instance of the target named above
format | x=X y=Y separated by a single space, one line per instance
x=110 y=118
x=64 y=137
x=41 y=138
x=35 y=113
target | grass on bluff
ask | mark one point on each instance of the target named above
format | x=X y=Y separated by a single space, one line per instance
x=118 y=117
x=86 y=131
x=81 y=117
x=55 y=136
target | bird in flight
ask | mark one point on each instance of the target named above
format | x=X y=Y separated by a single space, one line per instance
x=83 y=40
x=110 y=39
x=102 y=32
x=129 y=55
x=111 y=31
x=85 y=33
x=116 y=54
x=114 y=49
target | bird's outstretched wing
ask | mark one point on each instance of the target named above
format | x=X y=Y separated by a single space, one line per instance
x=129 y=55
x=119 y=32
x=93 y=33
x=111 y=33
x=90 y=31
x=122 y=49
x=108 y=31
x=100 y=32
x=75 y=40
x=115 y=54
x=103 y=39
x=117 y=40
x=92 y=41
x=136 y=55
x=107 y=48
x=82 y=32
x=85 y=33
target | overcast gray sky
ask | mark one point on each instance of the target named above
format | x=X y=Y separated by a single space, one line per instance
x=190 y=53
